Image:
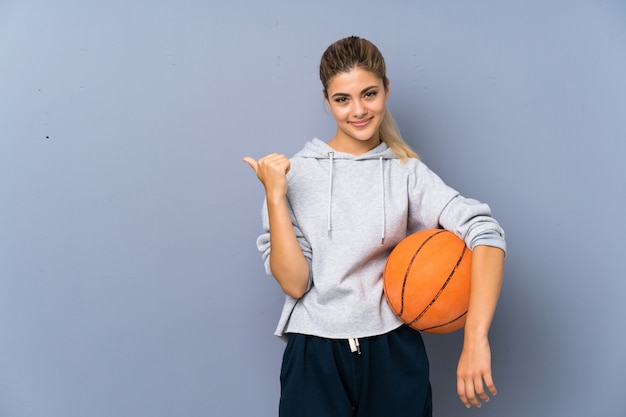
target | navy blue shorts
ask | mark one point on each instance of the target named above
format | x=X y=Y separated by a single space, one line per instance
x=324 y=378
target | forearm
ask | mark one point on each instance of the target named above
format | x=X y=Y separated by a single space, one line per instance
x=486 y=282
x=287 y=262
x=474 y=369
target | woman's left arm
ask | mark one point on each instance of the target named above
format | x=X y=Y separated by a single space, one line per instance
x=474 y=369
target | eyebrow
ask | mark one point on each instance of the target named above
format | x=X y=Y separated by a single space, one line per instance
x=365 y=90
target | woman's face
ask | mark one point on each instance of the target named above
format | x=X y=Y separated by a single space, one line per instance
x=357 y=100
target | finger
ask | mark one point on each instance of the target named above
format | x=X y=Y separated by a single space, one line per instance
x=252 y=162
x=461 y=391
x=491 y=386
x=468 y=395
x=276 y=162
x=479 y=389
x=471 y=395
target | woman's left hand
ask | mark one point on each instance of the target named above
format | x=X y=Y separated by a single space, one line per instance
x=474 y=373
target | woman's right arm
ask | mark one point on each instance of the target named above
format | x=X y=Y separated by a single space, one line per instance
x=287 y=262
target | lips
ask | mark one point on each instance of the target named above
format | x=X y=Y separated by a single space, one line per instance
x=361 y=123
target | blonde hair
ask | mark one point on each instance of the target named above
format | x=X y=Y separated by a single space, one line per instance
x=354 y=52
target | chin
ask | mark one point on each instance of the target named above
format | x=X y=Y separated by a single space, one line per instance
x=364 y=138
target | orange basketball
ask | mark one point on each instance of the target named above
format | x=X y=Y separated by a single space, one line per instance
x=427 y=281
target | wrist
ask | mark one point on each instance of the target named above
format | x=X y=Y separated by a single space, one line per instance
x=274 y=199
x=476 y=332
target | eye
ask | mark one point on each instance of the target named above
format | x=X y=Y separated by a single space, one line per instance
x=341 y=100
x=371 y=94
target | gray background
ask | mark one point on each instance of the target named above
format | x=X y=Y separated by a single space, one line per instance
x=130 y=284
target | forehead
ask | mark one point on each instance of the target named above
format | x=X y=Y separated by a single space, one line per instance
x=353 y=81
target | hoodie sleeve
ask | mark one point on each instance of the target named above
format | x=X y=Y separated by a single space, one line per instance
x=263 y=241
x=435 y=204
x=472 y=221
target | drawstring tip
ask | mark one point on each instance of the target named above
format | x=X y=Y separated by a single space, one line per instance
x=355 y=346
x=382 y=241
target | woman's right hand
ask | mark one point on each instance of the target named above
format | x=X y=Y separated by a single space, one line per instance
x=272 y=172
x=287 y=262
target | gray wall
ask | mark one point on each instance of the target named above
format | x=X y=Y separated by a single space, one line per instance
x=130 y=284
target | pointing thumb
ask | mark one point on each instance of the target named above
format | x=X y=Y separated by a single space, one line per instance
x=252 y=162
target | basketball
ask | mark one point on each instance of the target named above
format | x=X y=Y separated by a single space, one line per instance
x=427 y=281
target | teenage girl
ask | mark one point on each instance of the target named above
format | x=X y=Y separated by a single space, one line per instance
x=332 y=214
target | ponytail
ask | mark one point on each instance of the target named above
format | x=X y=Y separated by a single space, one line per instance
x=390 y=134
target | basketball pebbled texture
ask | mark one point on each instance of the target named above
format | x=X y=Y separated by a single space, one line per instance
x=427 y=281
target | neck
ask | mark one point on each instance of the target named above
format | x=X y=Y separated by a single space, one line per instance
x=353 y=146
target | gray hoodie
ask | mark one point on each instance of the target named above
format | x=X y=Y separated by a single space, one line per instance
x=348 y=213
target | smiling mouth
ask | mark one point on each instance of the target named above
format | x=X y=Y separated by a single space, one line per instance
x=361 y=123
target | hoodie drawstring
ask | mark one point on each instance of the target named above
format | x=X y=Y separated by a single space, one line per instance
x=382 y=200
x=331 y=156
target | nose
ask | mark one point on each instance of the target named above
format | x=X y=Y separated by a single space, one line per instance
x=359 y=110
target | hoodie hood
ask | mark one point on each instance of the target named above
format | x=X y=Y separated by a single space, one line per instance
x=319 y=149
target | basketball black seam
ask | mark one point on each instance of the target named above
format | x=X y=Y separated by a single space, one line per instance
x=444 y=324
x=408 y=269
x=443 y=287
